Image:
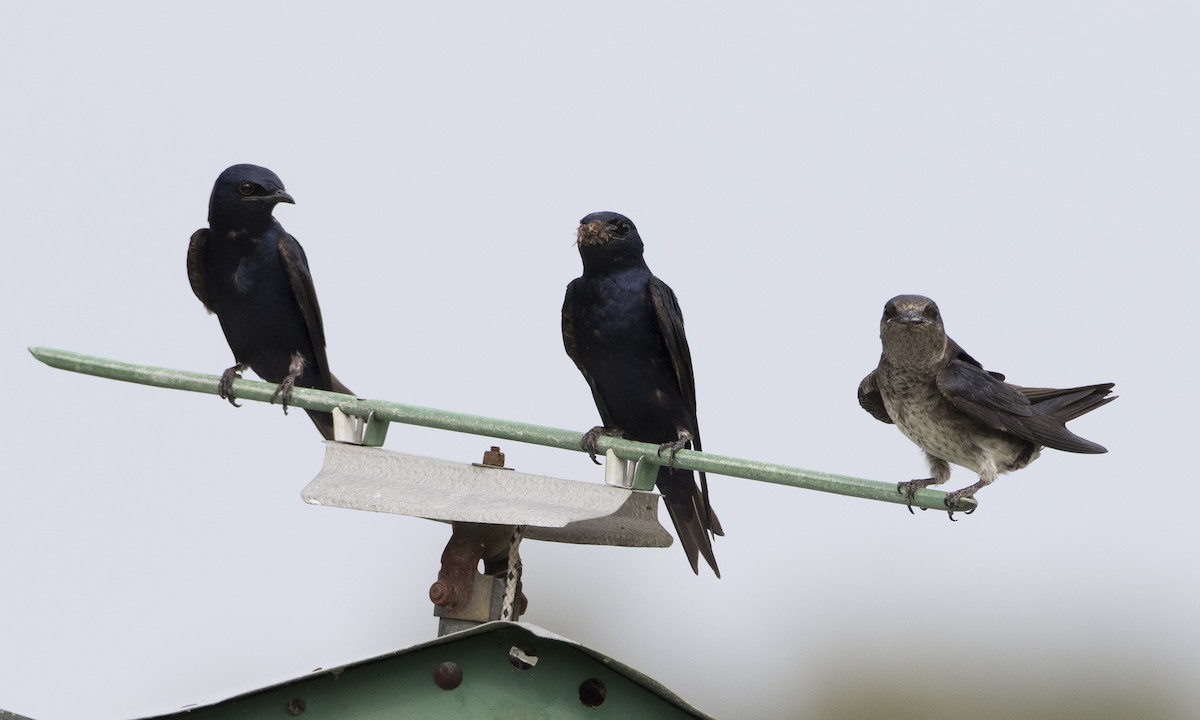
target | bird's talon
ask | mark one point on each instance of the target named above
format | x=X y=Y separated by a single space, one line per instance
x=588 y=441
x=905 y=489
x=909 y=490
x=674 y=447
x=283 y=393
x=225 y=385
x=952 y=503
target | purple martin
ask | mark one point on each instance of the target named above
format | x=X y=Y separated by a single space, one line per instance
x=623 y=328
x=249 y=271
x=943 y=400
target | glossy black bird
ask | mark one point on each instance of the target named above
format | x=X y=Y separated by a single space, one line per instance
x=623 y=328
x=249 y=271
x=943 y=400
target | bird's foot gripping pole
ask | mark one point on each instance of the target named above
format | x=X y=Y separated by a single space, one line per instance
x=462 y=596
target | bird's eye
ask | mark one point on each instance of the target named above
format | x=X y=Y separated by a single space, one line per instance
x=246 y=189
x=621 y=227
x=889 y=310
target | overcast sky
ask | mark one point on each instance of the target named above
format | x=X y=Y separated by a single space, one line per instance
x=1030 y=166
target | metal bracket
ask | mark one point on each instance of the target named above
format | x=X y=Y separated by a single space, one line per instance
x=618 y=472
x=554 y=509
x=463 y=597
x=637 y=474
x=645 y=474
x=346 y=428
x=375 y=432
x=370 y=432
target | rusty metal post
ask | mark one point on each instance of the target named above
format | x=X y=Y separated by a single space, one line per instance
x=464 y=597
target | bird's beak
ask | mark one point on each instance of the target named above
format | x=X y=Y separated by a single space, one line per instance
x=279 y=196
x=910 y=317
x=590 y=234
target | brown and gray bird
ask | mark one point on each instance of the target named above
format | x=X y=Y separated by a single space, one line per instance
x=254 y=276
x=943 y=400
x=623 y=328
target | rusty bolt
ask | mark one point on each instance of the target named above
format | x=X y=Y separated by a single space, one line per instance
x=448 y=675
x=493 y=458
x=442 y=594
x=296 y=706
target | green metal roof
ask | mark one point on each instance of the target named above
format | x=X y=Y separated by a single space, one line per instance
x=496 y=670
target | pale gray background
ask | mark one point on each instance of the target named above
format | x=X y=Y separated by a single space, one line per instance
x=1031 y=166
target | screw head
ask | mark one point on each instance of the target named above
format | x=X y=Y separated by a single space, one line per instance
x=448 y=675
x=442 y=594
x=493 y=457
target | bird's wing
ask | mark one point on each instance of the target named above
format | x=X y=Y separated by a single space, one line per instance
x=1032 y=414
x=957 y=353
x=670 y=324
x=871 y=400
x=572 y=348
x=1060 y=406
x=993 y=402
x=299 y=277
x=1068 y=403
x=195 y=266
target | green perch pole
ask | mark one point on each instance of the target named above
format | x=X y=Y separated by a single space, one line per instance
x=310 y=399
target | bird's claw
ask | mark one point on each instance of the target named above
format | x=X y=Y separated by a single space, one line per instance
x=909 y=488
x=951 y=501
x=225 y=386
x=284 y=392
x=909 y=492
x=588 y=441
x=674 y=446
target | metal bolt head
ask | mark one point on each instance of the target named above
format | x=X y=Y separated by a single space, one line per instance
x=296 y=706
x=493 y=457
x=442 y=594
x=448 y=675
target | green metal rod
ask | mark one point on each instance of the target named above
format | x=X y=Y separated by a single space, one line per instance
x=310 y=399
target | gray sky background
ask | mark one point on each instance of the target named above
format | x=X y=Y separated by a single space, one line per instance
x=1030 y=166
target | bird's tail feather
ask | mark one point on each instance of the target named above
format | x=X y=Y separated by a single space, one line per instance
x=691 y=516
x=1068 y=403
x=322 y=419
x=336 y=385
x=1056 y=407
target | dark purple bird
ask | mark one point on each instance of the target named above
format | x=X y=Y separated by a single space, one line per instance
x=623 y=328
x=249 y=271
